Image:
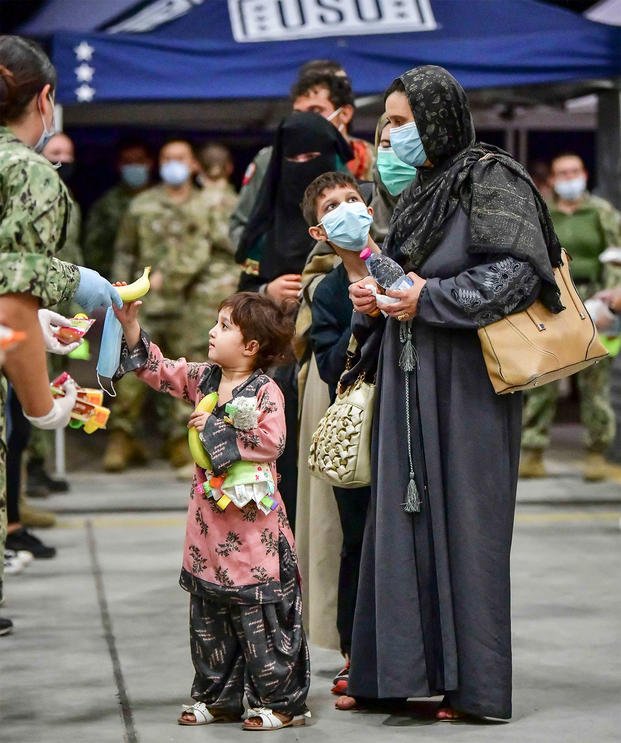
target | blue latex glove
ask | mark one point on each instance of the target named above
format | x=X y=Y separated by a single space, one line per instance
x=95 y=291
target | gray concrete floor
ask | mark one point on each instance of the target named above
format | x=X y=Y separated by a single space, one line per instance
x=100 y=651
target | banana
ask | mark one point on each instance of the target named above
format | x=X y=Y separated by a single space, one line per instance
x=197 y=450
x=137 y=289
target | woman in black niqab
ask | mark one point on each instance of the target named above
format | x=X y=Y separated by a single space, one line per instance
x=276 y=243
x=433 y=605
x=276 y=239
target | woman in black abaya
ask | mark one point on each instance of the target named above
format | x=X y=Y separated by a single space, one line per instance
x=433 y=605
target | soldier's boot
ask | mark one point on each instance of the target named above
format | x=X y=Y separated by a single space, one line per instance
x=34 y=518
x=121 y=451
x=531 y=463
x=179 y=452
x=39 y=483
x=595 y=467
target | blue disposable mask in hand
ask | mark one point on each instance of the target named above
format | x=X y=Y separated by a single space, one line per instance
x=174 y=172
x=408 y=145
x=395 y=174
x=348 y=225
x=109 y=352
x=135 y=175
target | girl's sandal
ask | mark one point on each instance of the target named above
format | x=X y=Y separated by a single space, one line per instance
x=202 y=715
x=271 y=721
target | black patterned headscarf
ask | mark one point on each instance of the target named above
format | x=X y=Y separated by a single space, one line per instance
x=507 y=214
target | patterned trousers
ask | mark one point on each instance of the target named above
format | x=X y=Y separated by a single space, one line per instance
x=596 y=413
x=259 y=650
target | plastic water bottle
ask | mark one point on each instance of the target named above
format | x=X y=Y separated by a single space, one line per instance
x=386 y=272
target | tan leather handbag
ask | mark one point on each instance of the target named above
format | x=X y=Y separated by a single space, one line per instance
x=536 y=346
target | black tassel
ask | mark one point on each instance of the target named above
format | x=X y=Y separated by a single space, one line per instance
x=408 y=358
x=412 y=499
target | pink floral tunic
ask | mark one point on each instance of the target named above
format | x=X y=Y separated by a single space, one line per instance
x=232 y=554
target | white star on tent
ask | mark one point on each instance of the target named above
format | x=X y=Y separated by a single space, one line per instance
x=84 y=51
x=84 y=73
x=85 y=93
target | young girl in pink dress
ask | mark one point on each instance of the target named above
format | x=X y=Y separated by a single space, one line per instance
x=239 y=562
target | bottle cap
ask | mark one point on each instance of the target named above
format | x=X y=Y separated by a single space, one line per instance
x=365 y=253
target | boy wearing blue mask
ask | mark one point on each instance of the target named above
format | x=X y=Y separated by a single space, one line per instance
x=335 y=210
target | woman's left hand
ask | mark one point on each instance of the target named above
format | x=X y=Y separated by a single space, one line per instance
x=407 y=306
x=198 y=420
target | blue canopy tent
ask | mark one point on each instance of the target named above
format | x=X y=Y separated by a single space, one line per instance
x=223 y=49
x=216 y=52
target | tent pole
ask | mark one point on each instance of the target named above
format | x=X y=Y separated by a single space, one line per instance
x=609 y=145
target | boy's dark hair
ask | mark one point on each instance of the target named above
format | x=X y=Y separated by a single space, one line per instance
x=332 y=179
x=396 y=86
x=261 y=319
x=339 y=88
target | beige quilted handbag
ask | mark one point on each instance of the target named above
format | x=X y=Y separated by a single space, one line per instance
x=340 y=450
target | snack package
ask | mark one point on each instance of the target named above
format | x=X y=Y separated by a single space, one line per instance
x=88 y=412
x=80 y=325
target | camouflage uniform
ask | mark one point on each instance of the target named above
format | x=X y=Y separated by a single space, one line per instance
x=596 y=412
x=102 y=225
x=361 y=168
x=34 y=211
x=223 y=276
x=175 y=239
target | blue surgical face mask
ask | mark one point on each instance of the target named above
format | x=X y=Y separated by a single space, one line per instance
x=174 y=172
x=571 y=190
x=135 y=175
x=408 y=145
x=46 y=134
x=109 y=352
x=395 y=174
x=348 y=225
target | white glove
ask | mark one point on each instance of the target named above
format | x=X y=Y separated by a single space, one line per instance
x=600 y=313
x=50 y=322
x=59 y=415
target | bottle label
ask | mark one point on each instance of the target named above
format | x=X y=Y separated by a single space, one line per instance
x=405 y=282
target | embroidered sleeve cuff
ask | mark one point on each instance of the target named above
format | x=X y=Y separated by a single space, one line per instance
x=135 y=359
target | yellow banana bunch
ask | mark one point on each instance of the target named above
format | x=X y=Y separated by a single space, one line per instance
x=136 y=289
x=197 y=450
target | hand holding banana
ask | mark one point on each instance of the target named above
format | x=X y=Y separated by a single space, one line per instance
x=135 y=290
x=127 y=315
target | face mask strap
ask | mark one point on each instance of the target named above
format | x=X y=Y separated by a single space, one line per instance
x=334 y=114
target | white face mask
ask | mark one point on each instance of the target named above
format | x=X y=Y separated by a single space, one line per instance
x=572 y=189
